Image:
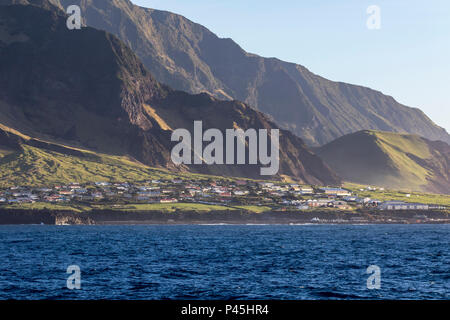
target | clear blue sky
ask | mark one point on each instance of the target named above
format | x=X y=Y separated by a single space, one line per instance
x=408 y=58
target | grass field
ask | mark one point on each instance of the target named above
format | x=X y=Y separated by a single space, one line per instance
x=49 y=206
x=161 y=207
x=398 y=161
x=427 y=198
x=168 y=207
x=255 y=209
x=36 y=167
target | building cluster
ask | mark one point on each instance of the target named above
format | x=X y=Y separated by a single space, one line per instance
x=278 y=196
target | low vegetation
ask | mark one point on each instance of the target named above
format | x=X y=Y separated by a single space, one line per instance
x=388 y=194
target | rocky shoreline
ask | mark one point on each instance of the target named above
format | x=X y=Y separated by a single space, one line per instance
x=110 y=217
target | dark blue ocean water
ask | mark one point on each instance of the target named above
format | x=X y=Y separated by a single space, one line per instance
x=225 y=262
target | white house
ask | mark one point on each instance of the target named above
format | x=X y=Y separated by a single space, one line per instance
x=337 y=192
x=400 y=205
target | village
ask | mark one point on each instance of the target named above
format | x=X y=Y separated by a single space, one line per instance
x=276 y=196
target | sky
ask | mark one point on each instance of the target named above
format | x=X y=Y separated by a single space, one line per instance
x=407 y=57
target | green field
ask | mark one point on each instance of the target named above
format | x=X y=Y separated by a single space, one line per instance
x=398 y=161
x=167 y=207
x=37 y=167
x=415 y=197
x=160 y=207
x=254 y=209
x=49 y=206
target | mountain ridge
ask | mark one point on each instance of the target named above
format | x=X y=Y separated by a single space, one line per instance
x=85 y=88
x=391 y=160
x=189 y=57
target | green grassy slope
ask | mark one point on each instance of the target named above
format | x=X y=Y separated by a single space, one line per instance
x=31 y=162
x=37 y=167
x=397 y=195
x=393 y=160
x=160 y=207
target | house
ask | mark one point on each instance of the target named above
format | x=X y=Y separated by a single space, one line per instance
x=66 y=192
x=150 y=194
x=392 y=205
x=339 y=192
x=436 y=207
x=341 y=205
x=79 y=190
x=363 y=200
x=293 y=202
x=102 y=184
x=277 y=193
x=266 y=184
x=400 y=205
x=240 y=193
x=97 y=195
x=193 y=191
x=306 y=190
x=54 y=198
x=318 y=203
x=373 y=203
x=168 y=200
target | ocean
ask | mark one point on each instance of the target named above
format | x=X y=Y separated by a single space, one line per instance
x=287 y=262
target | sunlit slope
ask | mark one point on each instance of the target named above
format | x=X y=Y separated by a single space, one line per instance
x=389 y=159
x=27 y=161
x=38 y=167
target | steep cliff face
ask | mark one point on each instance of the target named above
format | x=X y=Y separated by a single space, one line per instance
x=48 y=217
x=86 y=88
x=189 y=57
x=180 y=110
